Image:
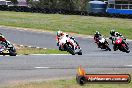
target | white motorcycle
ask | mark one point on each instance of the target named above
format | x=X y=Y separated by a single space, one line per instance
x=103 y=43
x=70 y=45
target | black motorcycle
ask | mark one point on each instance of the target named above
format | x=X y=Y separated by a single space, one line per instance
x=10 y=50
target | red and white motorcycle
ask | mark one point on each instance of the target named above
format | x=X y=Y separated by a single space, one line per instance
x=70 y=45
x=118 y=44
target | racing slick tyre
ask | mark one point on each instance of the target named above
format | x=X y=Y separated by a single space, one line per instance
x=13 y=48
x=126 y=50
x=11 y=53
x=80 y=52
x=127 y=47
x=108 y=48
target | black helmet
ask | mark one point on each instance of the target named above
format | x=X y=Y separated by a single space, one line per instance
x=112 y=32
x=97 y=33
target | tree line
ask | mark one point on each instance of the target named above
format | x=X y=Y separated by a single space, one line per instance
x=57 y=4
x=78 y=5
x=60 y=4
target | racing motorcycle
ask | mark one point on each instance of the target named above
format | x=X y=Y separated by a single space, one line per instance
x=10 y=50
x=119 y=44
x=103 y=43
x=70 y=45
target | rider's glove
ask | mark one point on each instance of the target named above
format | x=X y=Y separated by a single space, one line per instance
x=110 y=38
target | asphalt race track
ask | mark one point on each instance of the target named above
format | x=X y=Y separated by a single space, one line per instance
x=42 y=67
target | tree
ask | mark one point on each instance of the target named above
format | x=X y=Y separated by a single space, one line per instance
x=80 y=4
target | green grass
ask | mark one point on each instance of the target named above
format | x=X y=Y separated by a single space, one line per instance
x=39 y=51
x=68 y=23
x=69 y=84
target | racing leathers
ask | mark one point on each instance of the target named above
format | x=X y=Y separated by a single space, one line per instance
x=4 y=41
x=58 y=37
x=96 y=38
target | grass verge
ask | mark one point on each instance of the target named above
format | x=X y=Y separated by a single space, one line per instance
x=68 y=23
x=26 y=51
x=69 y=84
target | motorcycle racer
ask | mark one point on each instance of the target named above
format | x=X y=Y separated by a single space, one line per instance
x=114 y=35
x=96 y=37
x=60 y=35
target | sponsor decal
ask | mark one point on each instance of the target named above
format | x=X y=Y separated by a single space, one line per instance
x=83 y=78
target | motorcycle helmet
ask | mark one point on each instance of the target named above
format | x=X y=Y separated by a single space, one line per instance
x=67 y=35
x=73 y=38
x=97 y=33
x=112 y=32
x=59 y=33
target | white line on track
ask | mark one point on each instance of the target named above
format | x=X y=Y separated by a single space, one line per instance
x=128 y=65
x=43 y=54
x=42 y=67
x=50 y=54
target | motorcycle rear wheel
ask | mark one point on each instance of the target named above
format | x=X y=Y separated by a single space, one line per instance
x=80 y=53
x=126 y=50
x=107 y=47
x=12 y=53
